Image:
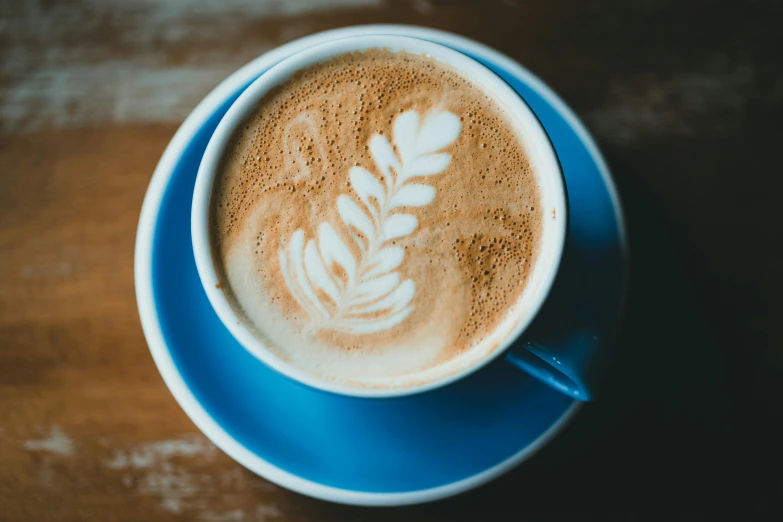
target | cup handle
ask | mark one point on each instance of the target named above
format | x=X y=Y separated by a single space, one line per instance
x=564 y=358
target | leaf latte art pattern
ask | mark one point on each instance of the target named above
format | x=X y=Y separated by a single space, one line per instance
x=364 y=295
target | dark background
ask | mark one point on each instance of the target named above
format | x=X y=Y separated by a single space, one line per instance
x=684 y=98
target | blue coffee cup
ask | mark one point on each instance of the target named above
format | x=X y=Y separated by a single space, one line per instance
x=563 y=357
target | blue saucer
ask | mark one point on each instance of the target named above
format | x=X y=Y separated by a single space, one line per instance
x=362 y=451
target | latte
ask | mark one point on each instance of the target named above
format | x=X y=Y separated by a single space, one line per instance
x=377 y=217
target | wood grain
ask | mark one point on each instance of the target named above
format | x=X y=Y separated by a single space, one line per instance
x=685 y=99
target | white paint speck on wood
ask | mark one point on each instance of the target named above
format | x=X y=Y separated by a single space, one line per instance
x=55 y=441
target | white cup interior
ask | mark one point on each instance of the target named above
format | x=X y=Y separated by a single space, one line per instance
x=541 y=155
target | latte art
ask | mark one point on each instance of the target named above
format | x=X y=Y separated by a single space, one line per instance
x=376 y=220
x=367 y=295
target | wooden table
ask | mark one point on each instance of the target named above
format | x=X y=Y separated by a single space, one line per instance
x=685 y=99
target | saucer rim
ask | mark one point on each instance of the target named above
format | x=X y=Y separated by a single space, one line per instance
x=147 y=305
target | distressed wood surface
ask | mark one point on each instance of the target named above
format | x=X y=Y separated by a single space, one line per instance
x=685 y=99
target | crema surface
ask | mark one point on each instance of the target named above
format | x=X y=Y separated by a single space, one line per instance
x=375 y=218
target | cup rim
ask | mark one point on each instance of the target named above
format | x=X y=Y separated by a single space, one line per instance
x=244 y=105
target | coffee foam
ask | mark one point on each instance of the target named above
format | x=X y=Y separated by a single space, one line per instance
x=468 y=257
